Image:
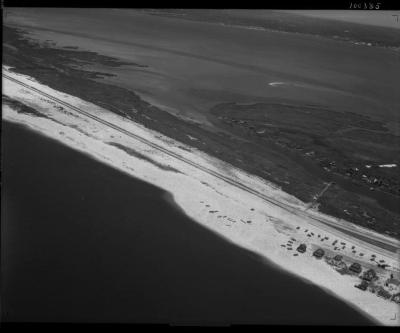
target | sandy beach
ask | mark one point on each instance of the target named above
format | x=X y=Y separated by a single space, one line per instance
x=232 y=212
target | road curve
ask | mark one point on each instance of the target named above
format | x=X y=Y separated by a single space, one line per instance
x=368 y=239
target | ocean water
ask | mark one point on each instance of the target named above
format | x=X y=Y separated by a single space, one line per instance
x=82 y=242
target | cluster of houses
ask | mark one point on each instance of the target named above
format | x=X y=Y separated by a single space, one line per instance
x=390 y=290
x=369 y=177
x=375 y=181
x=319 y=253
x=338 y=263
x=391 y=284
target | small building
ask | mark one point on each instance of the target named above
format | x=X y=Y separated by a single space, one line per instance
x=319 y=253
x=355 y=267
x=341 y=265
x=338 y=258
x=363 y=285
x=302 y=248
x=373 y=288
x=384 y=293
x=394 y=283
x=369 y=275
x=396 y=298
x=342 y=270
x=337 y=262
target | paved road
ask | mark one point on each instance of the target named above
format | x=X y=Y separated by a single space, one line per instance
x=386 y=247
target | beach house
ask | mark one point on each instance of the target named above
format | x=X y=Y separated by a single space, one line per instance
x=384 y=293
x=355 y=267
x=302 y=248
x=363 y=285
x=319 y=253
x=394 y=283
x=396 y=298
x=369 y=275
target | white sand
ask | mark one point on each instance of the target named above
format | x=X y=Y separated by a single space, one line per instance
x=193 y=189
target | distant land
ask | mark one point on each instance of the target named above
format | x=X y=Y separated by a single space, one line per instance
x=381 y=18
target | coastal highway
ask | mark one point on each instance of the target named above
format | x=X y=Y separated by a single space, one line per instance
x=384 y=245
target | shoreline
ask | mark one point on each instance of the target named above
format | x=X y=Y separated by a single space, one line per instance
x=169 y=198
x=211 y=278
x=96 y=145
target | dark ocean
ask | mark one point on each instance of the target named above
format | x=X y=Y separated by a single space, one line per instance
x=82 y=242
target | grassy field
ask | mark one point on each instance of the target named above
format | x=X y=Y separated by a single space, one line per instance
x=335 y=111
